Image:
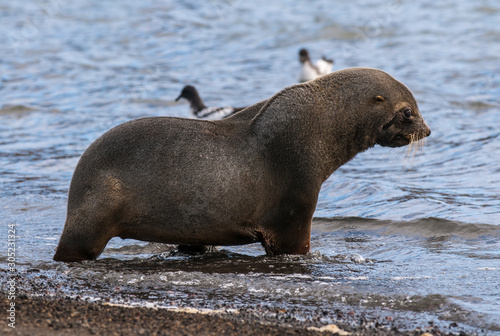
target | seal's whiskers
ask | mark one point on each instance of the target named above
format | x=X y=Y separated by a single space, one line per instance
x=415 y=146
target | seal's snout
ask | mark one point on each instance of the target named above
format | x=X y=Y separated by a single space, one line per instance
x=426 y=131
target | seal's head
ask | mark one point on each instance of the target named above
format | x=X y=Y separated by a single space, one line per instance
x=406 y=124
x=386 y=109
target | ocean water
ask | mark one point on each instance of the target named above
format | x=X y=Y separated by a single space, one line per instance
x=396 y=233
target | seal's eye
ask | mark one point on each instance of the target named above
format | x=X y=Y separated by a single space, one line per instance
x=408 y=113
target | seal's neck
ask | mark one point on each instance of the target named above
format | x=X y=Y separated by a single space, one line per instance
x=316 y=130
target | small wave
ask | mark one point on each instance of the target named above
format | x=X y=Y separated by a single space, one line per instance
x=13 y=109
x=425 y=227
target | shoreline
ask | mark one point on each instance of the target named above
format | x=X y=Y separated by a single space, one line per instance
x=44 y=315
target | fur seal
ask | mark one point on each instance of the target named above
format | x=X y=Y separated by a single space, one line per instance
x=253 y=177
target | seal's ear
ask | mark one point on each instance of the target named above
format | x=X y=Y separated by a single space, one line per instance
x=379 y=98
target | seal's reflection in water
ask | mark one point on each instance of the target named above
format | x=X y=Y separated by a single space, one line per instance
x=220 y=261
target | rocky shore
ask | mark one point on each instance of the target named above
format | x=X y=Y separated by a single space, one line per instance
x=65 y=316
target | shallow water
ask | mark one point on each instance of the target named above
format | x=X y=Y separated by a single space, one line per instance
x=395 y=234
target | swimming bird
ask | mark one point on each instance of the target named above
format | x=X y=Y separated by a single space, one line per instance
x=200 y=110
x=309 y=71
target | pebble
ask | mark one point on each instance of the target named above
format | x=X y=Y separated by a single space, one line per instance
x=331 y=328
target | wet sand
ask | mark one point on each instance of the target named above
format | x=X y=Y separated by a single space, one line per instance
x=64 y=316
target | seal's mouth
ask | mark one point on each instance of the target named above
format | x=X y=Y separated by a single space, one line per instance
x=415 y=137
x=416 y=142
x=400 y=140
x=404 y=139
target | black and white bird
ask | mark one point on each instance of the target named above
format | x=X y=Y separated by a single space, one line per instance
x=200 y=110
x=309 y=71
